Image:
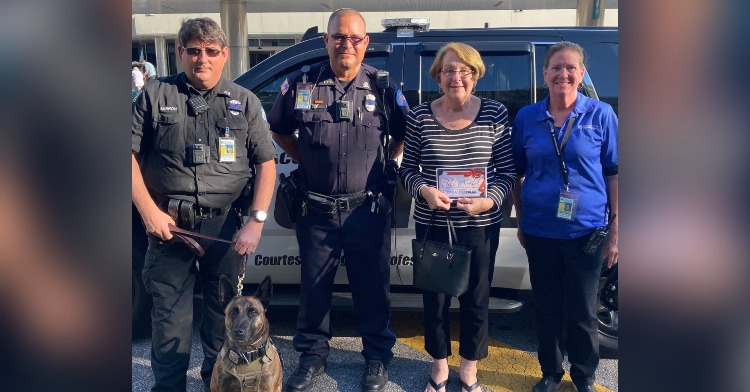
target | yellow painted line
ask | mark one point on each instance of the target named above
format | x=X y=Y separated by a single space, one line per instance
x=505 y=369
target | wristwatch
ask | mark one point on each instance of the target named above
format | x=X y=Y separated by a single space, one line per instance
x=258 y=215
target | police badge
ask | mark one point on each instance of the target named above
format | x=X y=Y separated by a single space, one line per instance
x=370 y=103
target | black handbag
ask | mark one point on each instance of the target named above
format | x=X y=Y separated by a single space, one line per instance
x=440 y=267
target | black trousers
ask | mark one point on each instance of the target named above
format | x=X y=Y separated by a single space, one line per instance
x=474 y=304
x=565 y=283
x=364 y=236
x=168 y=277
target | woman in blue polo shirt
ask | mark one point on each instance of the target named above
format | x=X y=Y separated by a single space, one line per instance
x=565 y=151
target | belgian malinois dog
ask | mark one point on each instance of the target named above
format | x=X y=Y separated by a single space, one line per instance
x=248 y=360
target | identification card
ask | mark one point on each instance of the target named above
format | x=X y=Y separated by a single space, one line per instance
x=566 y=207
x=304 y=91
x=464 y=182
x=226 y=149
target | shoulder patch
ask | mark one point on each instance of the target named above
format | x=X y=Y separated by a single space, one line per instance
x=400 y=99
x=285 y=86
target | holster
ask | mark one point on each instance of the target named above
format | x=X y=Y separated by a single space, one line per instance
x=244 y=202
x=290 y=193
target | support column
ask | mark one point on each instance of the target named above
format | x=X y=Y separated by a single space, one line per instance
x=161 y=56
x=234 y=24
x=590 y=13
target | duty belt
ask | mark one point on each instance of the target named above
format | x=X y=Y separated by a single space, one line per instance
x=330 y=204
x=208 y=213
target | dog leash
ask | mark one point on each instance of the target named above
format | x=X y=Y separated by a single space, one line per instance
x=175 y=229
x=195 y=247
x=198 y=249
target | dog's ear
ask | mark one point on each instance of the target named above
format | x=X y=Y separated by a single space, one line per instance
x=265 y=292
x=226 y=291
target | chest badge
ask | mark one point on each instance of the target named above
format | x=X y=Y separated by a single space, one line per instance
x=370 y=103
x=234 y=106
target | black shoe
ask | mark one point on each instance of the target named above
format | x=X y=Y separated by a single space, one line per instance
x=546 y=384
x=584 y=386
x=302 y=379
x=375 y=377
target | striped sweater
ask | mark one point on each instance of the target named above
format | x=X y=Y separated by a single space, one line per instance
x=484 y=143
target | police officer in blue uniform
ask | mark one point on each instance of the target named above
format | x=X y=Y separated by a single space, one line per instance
x=343 y=119
x=197 y=135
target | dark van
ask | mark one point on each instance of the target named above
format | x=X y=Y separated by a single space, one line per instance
x=514 y=58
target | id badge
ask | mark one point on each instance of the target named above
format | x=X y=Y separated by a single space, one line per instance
x=566 y=207
x=226 y=149
x=304 y=90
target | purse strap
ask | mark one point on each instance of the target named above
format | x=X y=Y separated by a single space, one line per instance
x=451 y=231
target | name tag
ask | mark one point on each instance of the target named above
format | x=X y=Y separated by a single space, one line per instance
x=304 y=91
x=226 y=149
x=566 y=206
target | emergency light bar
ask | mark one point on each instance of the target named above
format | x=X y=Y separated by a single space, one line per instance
x=418 y=23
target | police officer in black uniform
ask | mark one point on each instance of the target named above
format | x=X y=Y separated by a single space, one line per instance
x=342 y=119
x=198 y=136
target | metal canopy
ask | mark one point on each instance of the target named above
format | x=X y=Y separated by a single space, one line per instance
x=260 y=6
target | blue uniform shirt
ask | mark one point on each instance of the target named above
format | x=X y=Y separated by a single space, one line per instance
x=590 y=154
x=340 y=157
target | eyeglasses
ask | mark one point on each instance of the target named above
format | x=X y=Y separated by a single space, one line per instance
x=340 y=38
x=195 y=52
x=463 y=72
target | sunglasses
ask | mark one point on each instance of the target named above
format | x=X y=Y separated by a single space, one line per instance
x=340 y=38
x=195 y=52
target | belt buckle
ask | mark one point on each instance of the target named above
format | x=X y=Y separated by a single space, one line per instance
x=342 y=204
x=203 y=213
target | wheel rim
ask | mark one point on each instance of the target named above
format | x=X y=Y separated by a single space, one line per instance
x=608 y=322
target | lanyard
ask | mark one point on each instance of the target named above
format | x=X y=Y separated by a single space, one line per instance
x=559 y=148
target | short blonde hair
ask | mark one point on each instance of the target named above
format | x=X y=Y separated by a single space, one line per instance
x=465 y=52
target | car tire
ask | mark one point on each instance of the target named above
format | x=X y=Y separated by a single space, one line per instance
x=608 y=322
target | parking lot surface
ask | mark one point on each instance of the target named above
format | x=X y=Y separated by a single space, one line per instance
x=511 y=365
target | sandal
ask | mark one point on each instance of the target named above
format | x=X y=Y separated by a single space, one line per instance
x=471 y=387
x=437 y=387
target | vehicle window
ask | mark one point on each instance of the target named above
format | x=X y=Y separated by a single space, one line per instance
x=541 y=88
x=268 y=91
x=507 y=80
x=602 y=66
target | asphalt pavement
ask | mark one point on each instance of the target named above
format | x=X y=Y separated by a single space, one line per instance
x=511 y=366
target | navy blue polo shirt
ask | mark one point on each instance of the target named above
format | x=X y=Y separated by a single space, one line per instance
x=339 y=156
x=590 y=155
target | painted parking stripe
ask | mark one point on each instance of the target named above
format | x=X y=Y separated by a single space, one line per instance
x=504 y=370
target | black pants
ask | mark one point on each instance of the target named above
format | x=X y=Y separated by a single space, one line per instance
x=474 y=303
x=565 y=282
x=364 y=236
x=170 y=280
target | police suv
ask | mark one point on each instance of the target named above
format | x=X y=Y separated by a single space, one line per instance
x=514 y=58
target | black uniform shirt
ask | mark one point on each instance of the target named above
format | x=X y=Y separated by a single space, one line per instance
x=163 y=128
x=340 y=157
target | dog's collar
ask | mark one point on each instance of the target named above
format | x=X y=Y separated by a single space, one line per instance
x=243 y=357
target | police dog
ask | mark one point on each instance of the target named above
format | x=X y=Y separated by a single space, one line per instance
x=248 y=360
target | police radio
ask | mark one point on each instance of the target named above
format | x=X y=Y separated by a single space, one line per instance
x=381 y=79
